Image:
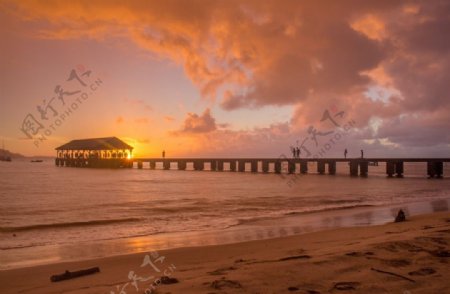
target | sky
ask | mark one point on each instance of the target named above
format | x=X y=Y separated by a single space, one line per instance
x=228 y=78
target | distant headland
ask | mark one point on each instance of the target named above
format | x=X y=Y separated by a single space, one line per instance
x=5 y=154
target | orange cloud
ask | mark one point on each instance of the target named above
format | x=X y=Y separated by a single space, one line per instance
x=120 y=120
x=269 y=141
x=169 y=118
x=301 y=53
x=198 y=124
x=261 y=54
x=371 y=26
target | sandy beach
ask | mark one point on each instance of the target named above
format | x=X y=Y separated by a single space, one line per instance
x=392 y=258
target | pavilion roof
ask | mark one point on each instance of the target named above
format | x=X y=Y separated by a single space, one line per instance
x=108 y=143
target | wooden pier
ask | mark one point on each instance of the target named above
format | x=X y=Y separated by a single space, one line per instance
x=356 y=166
x=111 y=152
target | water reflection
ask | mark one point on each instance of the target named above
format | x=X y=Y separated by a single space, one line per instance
x=439 y=205
x=365 y=218
x=293 y=225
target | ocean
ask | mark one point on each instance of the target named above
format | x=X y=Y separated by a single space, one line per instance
x=51 y=214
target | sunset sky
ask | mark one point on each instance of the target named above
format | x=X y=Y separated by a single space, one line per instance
x=229 y=78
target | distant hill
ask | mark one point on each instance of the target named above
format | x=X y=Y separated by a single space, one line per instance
x=7 y=153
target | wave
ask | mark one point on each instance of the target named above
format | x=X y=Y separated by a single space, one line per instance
x=67 y=225
x=329 y=209
x=339 y=201
x=22 y=246
x=310 y=211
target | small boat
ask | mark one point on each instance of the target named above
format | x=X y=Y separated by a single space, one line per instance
x=36 y=160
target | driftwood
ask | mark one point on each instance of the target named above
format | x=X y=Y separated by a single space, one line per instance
x=71 y=275
x=393 y=274
x=168 y=280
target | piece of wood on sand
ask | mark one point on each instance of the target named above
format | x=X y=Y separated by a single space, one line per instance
x=393 y=274
x=71 y=275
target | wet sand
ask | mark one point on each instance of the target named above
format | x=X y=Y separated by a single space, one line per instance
x=248 y=230
x=393 y=258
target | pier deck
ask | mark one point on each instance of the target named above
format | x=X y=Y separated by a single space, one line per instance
x=357 y=166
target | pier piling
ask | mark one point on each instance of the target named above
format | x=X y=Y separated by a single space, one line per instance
x=321 y=167
x=304 y=166
x=399 y=169
x=241 y=165
x=182 y=165
x=354 y=168
x=291 y=167
x=220 y=165
x=332 y=167
x=254 y=166
x=198 y=165
x=277 y=167
x=435 y=169
x=166 y=164
x=363 y=168
x=233 y=165
x=213 y=165
x=390 y=168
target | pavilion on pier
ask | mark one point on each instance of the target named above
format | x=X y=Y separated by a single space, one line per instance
x=95 y=152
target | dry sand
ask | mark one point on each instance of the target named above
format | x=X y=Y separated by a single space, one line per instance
x=407 y=258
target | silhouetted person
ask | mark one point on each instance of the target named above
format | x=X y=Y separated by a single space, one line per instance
x=164 y=154
x=401 y=217
x=293 y=152
x=345 y=153
x=362 y=153
x=298 y=152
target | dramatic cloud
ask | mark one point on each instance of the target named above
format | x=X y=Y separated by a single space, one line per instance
x=197 y=124
x=385 y=63
x=258 y=52
x=206 y=136
x=268 y=141
x=257 y=141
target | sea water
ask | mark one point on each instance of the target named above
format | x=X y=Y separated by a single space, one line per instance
x=51 y=214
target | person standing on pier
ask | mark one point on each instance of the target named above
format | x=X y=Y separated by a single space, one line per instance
x=293 y=152
x=362 y=153
x=298 y=152
x=164 y=154
x=345 y=153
